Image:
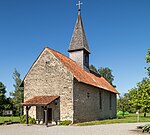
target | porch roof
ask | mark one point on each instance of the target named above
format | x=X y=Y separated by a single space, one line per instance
x=40 y=100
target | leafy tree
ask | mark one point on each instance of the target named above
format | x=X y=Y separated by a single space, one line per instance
x=135 y=97
x=144 y=89
x=140 y=96
x=104 y=72
x=2 y=97
x=148 y=61
x=123 y=103
x=93 y=68
x=107 y=74
x=8 y=104
x=17 y=94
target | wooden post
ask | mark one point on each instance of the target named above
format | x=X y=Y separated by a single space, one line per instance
x=43 y=115
x=46 y=120
x=27 y=113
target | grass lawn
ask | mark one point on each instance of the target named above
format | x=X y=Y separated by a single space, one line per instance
x=131 y=118
x=9 y=118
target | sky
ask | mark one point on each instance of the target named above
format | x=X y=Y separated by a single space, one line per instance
x=118 y=34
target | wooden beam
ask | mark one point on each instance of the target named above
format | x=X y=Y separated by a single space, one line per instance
x=43 y=114
x=27 y=111
x=46 y=120
x=27 y=114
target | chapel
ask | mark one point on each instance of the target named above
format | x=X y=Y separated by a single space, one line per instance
x=58 y=88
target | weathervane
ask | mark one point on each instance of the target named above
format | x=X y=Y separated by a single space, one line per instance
x=79 y=5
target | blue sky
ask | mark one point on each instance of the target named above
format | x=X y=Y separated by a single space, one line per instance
x=118 y=33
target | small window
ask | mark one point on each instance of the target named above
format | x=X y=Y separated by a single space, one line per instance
x=86 y=60
x=110 y=101
x=100 y=100
x=88 y=95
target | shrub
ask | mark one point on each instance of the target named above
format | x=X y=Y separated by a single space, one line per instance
x=23 y=120
x=146 y=128
x=122 y=113
x=65 y=122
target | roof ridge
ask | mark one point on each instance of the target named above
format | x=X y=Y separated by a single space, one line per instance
x=81 y=75
x=83 y=35
x=62 y=54
x=74 y=68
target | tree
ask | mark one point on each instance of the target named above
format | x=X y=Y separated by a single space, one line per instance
x=104 y=72
x=17 y=95
x=123 y=103
x=135 y=97
x=144 y=89
x=140 y=96
x=148 y=61
x=8 y=104
x=107 y=74
x=93 y=68
x=2 y=97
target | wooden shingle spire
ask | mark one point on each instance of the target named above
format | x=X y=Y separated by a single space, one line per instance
x=78 y=40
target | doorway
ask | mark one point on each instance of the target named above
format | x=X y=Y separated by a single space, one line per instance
x=49 y=114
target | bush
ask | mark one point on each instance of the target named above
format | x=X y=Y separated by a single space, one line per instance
x=65 y=122
x=23 y=120
x=146 y=128
x=121 y=113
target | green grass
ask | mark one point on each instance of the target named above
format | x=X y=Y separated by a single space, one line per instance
x=131 y=118
x=14 y=119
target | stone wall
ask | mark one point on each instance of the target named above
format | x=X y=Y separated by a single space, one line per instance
x=48 y=76
x=87 y=103
x=78 y=57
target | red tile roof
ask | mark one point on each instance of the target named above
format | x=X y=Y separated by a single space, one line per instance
x=82 y=75
x=40 y=100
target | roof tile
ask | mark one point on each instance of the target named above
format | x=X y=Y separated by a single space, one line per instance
x=40 y=100
x=82 y=75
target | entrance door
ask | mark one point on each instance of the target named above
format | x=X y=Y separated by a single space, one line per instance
x=49 y=114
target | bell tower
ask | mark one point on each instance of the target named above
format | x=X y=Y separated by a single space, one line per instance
x=78 y=49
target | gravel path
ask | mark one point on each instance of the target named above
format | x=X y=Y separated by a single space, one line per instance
x=109 y=129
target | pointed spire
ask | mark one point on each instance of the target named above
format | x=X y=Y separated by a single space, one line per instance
x=78 y=40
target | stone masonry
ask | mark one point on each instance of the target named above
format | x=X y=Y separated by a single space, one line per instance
x=87 y=103
x=78 y=102
x=82 y=95
x=48 y=76
x=78 y=57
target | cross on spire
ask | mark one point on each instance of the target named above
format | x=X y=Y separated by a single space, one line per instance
x=79 y=5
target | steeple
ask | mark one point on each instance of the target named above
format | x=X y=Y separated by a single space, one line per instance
x=79 y=7
x=79 y=49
